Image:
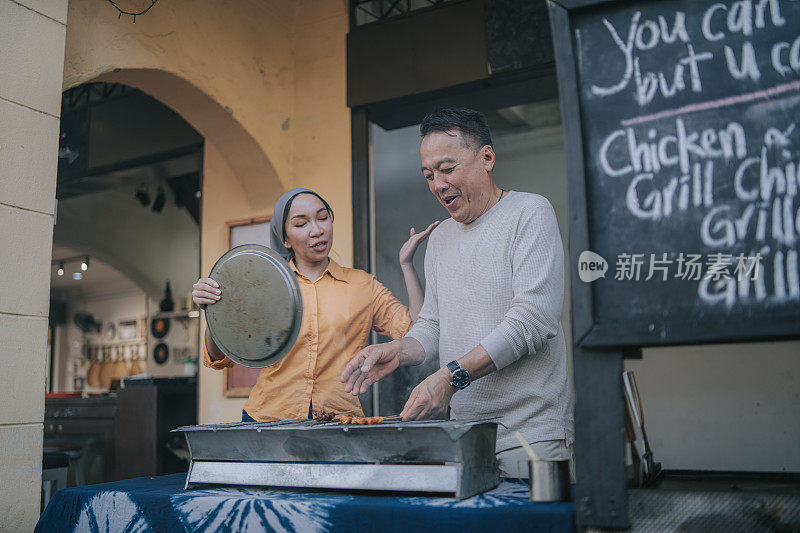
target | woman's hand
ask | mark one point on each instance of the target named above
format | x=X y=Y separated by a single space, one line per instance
x=205 y=291
x=410 y=247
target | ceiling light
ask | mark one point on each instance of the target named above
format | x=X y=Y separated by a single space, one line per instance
x=77 y=275
x=61 y=268
x=85 y=264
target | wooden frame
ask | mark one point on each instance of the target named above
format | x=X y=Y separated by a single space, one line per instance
x=598 y=349
x=359 y=125
x=601 y=492
x=245 y=222
x=230 y=375
x=586 y=331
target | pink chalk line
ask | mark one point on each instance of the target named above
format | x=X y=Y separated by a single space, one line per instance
x=763 y=94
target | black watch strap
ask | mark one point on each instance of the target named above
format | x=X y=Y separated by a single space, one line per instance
x=459 y=377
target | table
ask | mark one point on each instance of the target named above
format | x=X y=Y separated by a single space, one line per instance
x=161 y=504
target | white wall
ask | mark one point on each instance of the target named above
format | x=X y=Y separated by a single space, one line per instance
x=182 y=340
x=105 y=308
x=150 y=248
x=722 y=407
x=182 y=337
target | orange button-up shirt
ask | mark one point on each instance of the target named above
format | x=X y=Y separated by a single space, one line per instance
x=339 y=310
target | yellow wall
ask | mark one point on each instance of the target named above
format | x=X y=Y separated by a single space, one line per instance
x=239 y=53
x=263 y=82
x=321 y=123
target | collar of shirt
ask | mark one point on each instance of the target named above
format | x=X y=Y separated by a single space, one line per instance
x=334 y=269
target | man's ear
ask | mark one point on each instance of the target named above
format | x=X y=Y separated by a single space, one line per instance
x=488 y=157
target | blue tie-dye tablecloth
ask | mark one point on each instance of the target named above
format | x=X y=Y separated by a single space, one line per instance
x=161 y=504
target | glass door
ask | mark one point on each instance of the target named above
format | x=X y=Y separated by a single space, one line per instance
x=529 y=146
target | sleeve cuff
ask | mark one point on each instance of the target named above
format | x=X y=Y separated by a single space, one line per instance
x=427 y=339
x=216 y=365
x=500 y=350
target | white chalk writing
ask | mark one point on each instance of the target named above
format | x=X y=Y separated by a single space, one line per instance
x=738 y=178
x=642 y=37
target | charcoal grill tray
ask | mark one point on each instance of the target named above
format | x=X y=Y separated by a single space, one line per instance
x=451 y=456
x=423 y=441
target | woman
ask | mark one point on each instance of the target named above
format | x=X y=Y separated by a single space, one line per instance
x=341 y=306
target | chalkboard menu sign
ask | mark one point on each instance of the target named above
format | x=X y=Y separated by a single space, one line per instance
x=682 y=125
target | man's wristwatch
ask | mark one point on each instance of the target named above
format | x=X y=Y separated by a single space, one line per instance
x=459 y=377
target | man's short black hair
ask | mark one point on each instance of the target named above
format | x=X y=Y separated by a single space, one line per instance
x=472 y=125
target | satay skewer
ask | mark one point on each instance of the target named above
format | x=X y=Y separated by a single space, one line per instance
x=364 y=420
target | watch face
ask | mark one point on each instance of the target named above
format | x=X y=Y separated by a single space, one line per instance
x=459 y=378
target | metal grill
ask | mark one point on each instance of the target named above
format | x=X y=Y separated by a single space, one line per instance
x=455 y=457
x=752 y=511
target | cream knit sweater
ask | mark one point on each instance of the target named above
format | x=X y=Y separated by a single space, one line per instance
x=499 y=282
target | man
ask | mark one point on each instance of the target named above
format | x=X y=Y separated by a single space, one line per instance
x=494 y=277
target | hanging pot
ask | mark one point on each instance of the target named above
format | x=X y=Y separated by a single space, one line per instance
x=121 y=367
x=93 y=374
x=138 y=365
x=106 y=369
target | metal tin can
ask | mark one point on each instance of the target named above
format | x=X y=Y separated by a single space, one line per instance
x=549 y=480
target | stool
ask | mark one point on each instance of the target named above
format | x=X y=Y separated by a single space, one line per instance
x=74 y=452
x=54 y=474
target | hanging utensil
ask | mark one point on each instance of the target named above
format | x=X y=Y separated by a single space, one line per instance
x=93 y=374
x=138 y=358
x=137 y=367
x=107 y=368
x=121 y=367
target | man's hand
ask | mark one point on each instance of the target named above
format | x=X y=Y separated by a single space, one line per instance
x=371 y=364
x=431 y=398
x=375 y=362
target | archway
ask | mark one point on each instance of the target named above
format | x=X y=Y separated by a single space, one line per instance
x=219 y=127
x=239 y=178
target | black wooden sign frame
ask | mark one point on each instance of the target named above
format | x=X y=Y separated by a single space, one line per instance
x=598 y=349
x=601 y=492
x=586 y=331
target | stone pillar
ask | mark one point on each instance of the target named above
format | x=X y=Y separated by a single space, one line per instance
x=32 y=34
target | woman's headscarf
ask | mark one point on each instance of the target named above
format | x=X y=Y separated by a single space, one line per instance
x=277 y=223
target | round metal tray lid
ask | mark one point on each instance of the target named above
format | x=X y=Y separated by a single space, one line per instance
x=257 y=320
